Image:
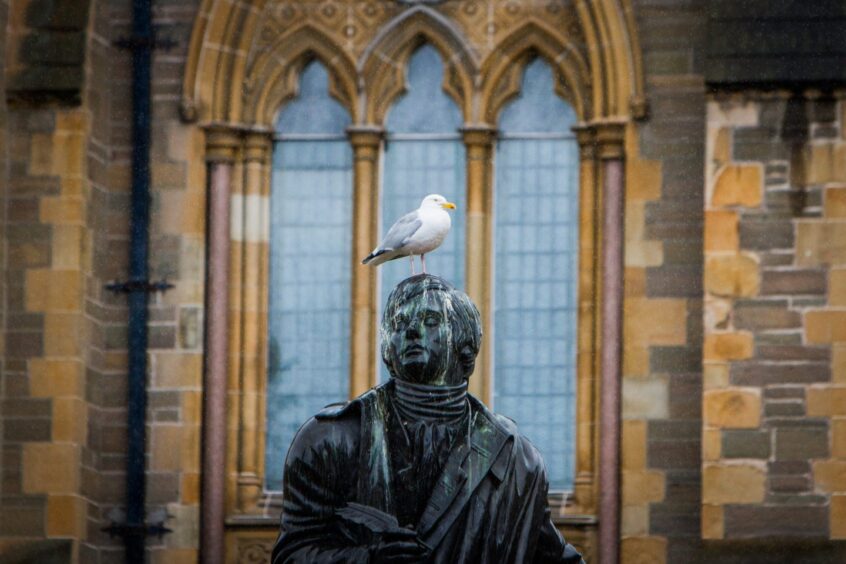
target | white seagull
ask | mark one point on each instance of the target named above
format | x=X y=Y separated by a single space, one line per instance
x=415 y=233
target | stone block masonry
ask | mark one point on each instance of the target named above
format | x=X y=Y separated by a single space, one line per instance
x=774 y=403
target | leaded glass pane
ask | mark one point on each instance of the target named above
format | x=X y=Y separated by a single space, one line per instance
x=536 y=271
x=309 y=294
x=424 y=155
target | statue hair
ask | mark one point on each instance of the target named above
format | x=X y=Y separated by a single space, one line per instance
x=464 y=318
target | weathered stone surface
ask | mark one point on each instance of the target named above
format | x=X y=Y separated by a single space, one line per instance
x=820 y=242
x=792 y=282
x=838 y=438
x=754 y=521
x=801 y=443
x=765 y=315
x=784 y=409
x=746 y=444
x=835 y=203
x=790 y=484
x=738 y=185
x=711 y=445
x=830 y=475
x=712 y=522
x=733 y=408
x=755 y=373
x=766 y=233
x=673 y=454
x=735 y=275
x=50 y=468
x=641 y=487
x=645 y=399
x=838 y=364
x=827 y=401
x=643 y=550
x=733 y=484
x=837 y=517
x=721 y=233
x=728 y=346
x=633 y=455
x=837 y=287
x=825 y=326
x=715 y=375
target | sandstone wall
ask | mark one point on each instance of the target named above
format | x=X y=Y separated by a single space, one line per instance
x=775 y=325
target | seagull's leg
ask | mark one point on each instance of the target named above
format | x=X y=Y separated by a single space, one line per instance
x=423 y=260
x=412 y=264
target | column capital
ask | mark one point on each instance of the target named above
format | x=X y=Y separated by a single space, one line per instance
x=257 y=145
x=365 y=135
x=478 y=134
x=610 y=137
x=222 y=143
x=604 y=139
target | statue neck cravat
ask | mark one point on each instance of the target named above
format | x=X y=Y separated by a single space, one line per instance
x=430 y=404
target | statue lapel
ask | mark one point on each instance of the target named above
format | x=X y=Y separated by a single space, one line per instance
x=374 y=483
x=473 y=456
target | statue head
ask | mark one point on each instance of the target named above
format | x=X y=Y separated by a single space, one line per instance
x=430 y=332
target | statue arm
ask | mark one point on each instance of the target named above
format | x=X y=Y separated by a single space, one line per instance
x=318 y=480
x=553 y=548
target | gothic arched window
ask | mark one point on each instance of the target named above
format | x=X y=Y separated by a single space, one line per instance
x=309 y=291
x=536 y=226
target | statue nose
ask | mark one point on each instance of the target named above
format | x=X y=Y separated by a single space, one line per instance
x=412 y=330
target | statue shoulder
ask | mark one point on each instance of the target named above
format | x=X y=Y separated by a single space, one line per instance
x=335 y=410
x=523 y=448
x=334 y=428
x=344 y=409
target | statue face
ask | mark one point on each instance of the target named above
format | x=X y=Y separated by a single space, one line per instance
x=420 y=339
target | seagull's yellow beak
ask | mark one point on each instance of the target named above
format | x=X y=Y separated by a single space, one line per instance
x=448 y=206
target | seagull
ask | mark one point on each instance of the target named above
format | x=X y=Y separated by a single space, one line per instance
x=415 y=233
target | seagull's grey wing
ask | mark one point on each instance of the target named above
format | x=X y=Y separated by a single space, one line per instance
x=401 y=231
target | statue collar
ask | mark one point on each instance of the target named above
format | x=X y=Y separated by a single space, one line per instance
x=431 y=404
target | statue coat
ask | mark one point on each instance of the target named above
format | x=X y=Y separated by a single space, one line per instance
x=489 y=504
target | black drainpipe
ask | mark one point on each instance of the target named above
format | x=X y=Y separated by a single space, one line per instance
x=134 y=529
x=136 y=483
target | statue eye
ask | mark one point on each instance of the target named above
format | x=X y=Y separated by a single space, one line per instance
x=399 y=322
x=433 y=320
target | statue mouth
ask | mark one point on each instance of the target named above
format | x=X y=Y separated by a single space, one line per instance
x=414 y=351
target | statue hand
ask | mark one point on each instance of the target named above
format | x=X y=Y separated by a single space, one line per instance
x=398 y=551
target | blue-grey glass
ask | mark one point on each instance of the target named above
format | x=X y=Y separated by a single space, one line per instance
x=538 y=109
x=536 y=274
x=313 y=111
x=309 y=294
x=415 y=167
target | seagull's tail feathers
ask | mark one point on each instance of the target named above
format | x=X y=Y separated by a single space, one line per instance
x=378 y=256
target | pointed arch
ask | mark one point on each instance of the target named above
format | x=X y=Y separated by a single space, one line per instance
x=385 y=59
x=503 y=70
x=273 y=78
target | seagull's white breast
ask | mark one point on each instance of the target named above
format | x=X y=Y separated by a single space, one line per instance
x=435 y=224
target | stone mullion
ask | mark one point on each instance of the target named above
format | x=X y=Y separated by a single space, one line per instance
x=253 y=241
x=588 y=323
x=366 y=143
x=479 y=141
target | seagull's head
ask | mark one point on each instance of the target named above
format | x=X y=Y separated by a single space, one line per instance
x=436 y=201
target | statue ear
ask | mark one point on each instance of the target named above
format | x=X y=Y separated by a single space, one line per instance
x=467 y=359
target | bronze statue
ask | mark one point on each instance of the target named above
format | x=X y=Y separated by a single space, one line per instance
x=418 y=470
